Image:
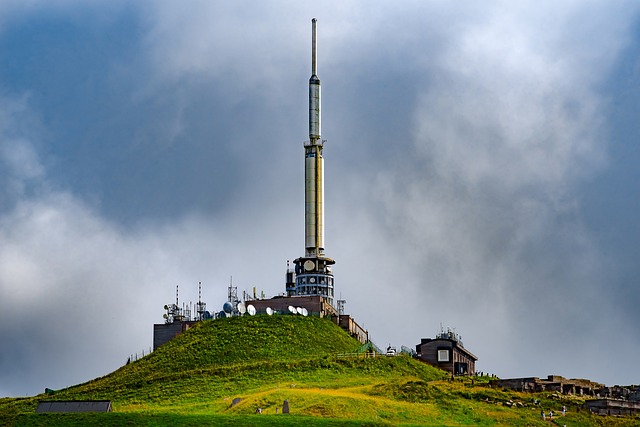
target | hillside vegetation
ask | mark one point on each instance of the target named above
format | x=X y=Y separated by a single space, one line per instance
x=194 y=379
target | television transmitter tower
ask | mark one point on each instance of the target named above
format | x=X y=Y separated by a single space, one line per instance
x=313 y=275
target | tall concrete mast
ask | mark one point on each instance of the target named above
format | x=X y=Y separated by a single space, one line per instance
x=313 y=272
x=314 y=163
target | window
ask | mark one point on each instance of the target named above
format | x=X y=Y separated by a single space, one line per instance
x=443 y=355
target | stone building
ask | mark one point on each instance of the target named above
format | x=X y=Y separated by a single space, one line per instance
x=612 y=407
x=554 y=383
x=165 y=332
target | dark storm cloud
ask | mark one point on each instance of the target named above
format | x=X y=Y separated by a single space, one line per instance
x=482 y=225
x=162 y=144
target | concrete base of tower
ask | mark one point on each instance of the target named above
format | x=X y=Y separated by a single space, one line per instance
x=315 y=305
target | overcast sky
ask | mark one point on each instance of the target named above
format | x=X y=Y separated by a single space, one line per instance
x=481 y=174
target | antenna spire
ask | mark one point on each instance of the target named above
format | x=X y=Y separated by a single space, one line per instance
x=314 y=41
x=314 y=89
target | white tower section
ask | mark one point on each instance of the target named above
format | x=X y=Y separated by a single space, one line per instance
x=313 y=274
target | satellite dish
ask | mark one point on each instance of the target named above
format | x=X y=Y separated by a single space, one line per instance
x=251 y=310
x=241 y=308
x=166 y=307
x=292 y=309
x=269 y=311
x=206 y=315
x=299 y=310
x=227 y=307
x=222 y=314
x=165 y=316
x=305 y=312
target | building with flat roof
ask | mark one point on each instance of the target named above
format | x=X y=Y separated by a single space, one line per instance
x=447 y=352
x=61 y=406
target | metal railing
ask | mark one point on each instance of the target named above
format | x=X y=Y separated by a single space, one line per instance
x=364 y=355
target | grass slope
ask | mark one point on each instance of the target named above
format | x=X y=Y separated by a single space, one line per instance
x=263 y=360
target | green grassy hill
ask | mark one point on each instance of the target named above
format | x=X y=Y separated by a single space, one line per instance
x=264 y=360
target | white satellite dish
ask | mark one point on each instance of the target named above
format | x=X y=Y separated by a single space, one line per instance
x=241 y=308
x=299 y=310
x=269 y=311
x=305 y=312
x=292 y=309
x=251 y=310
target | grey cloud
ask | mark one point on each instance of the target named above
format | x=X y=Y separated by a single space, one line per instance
x=483 y=216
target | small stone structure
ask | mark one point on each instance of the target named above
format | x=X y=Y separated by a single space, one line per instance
x=612 y=407
x=165 y=332
x=631 y=393
x=555 y=383
x=74 y=406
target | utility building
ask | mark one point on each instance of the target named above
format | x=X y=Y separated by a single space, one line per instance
x=447 y=352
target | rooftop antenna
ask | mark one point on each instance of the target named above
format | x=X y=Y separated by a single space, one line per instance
x=201 y=307
x=174 y=312
x=233 y=292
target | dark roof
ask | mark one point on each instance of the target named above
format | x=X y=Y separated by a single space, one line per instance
x=456 y=344
x=74 y=406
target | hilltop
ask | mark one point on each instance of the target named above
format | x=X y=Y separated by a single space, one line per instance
x=312 y=363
